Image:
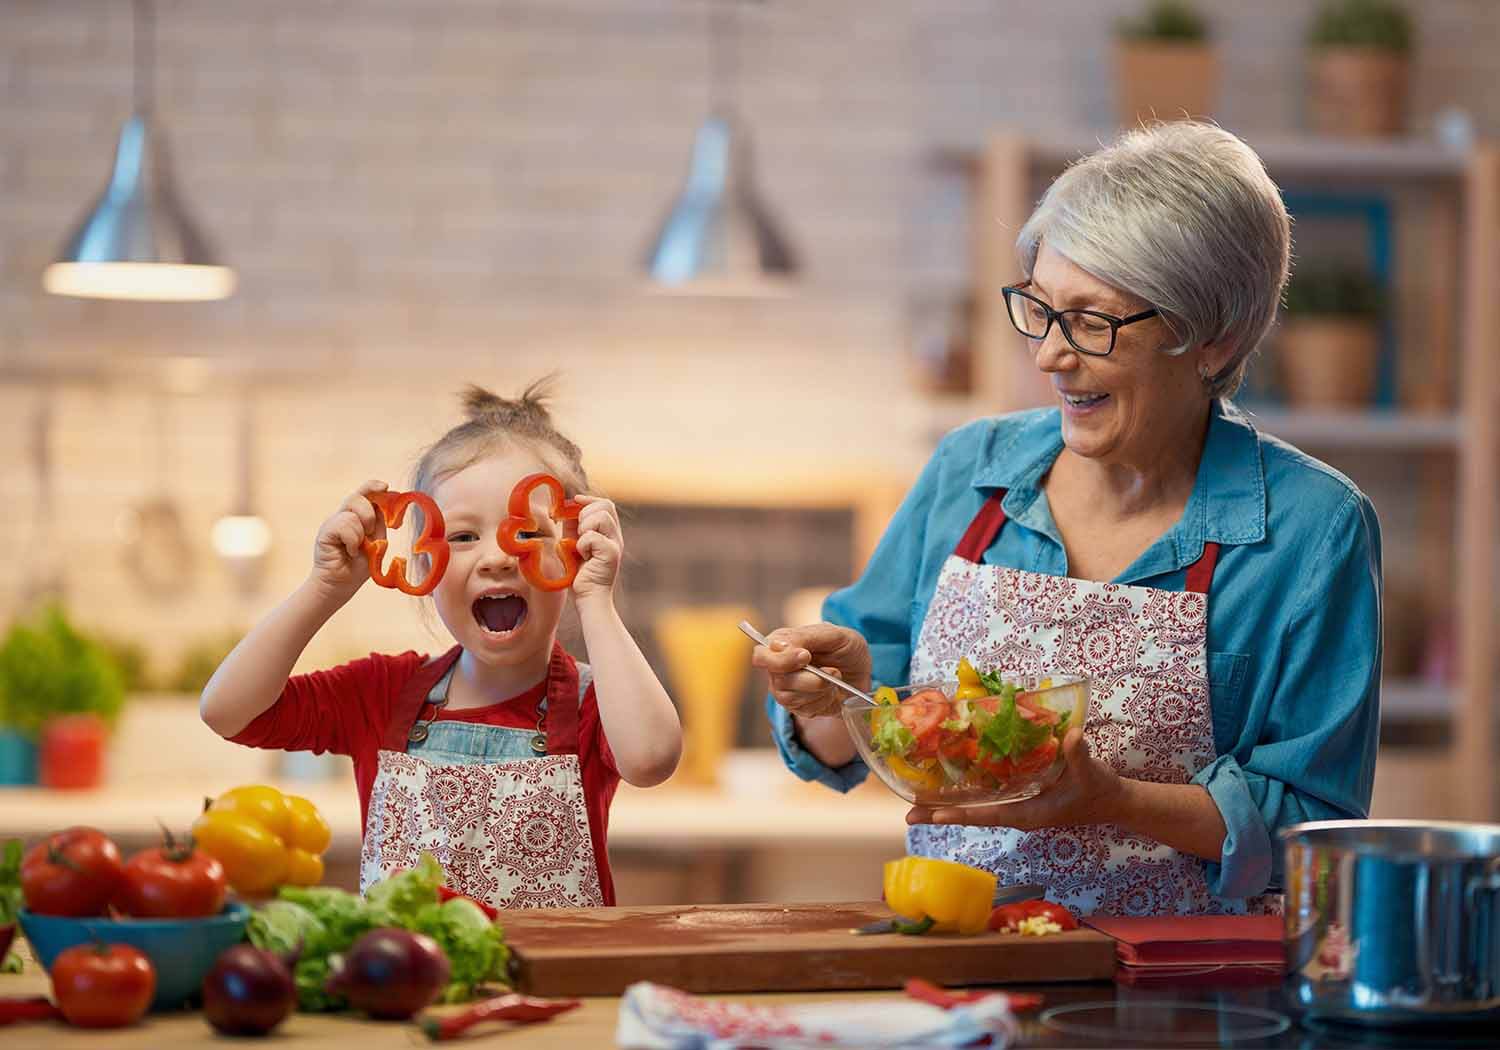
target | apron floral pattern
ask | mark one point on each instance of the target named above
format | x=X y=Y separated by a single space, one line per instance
x=1149 y=717
x=513 y=833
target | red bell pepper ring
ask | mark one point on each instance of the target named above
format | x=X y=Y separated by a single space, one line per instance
x=14 y=1009
x=936 y=995
x=433 y=542
x=529 y=552
x=519 y=1009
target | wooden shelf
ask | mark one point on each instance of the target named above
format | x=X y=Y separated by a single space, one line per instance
x=1306 y=156
x=1345 y=429
x=1354 y=429
x=1411 y=698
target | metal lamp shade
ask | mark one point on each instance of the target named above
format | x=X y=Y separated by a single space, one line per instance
x=719 y=238
x=137 y=241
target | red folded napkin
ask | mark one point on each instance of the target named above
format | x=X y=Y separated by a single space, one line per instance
x=1187 y=940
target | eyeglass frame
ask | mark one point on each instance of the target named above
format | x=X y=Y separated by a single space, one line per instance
x=1055 y=316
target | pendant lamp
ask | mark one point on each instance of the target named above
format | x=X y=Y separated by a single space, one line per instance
x=137 y=240
x=718 y=237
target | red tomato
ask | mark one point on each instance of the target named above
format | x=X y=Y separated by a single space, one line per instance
x=924 y=712
x=74 y=872
x=1038 y=758
x=999 y=768
x=102 y=985
x=1007 y=916
x=173 y=882
x=1033 y=710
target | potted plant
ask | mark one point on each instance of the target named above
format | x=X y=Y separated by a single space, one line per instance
x=1361 y=54
x=59 y=694
x=1329 y=344
x=1165 y=67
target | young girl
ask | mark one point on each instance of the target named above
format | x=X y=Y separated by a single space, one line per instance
x=502 y=754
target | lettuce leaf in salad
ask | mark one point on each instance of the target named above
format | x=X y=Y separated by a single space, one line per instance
x=998 y=686
x=1007 y=734
x=888 y=736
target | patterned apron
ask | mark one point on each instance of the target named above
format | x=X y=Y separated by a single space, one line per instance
x=1149 y=716
x=501 y=809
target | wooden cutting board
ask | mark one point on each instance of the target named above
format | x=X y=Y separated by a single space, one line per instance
x=774 y=948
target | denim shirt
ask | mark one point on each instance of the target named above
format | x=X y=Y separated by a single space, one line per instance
x=1293 y=613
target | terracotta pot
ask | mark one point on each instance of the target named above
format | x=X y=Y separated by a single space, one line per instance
x=1164 y=81
x=1358 y=91
x=71 y=753
x=1329 y=361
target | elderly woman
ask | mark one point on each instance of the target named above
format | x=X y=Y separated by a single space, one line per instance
x=1220 y=588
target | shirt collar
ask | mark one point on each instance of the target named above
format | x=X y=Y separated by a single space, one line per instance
x=1228 y=504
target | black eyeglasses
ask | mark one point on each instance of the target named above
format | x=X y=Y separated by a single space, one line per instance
x=1087 y=331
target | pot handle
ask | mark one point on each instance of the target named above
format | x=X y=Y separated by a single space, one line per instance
x=1487 y=883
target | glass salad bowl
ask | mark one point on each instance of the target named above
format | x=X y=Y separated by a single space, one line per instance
x=992 y=739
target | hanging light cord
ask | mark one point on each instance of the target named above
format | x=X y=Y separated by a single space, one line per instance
x=143 y=43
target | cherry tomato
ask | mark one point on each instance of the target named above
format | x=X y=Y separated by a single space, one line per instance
x=74 y=872
x=103 y=985
x=173 y=882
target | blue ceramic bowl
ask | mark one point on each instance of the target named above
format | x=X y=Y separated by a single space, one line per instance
x=182 y=950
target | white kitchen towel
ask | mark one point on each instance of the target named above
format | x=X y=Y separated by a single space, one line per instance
x=654 y=1017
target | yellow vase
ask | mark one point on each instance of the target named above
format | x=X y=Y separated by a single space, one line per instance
x=707 y=659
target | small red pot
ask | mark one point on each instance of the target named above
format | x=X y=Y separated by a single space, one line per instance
x=70 y=754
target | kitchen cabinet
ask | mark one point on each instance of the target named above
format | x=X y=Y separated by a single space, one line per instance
x=1445 y=424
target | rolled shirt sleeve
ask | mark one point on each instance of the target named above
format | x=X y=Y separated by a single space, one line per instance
x=1315 y=757
x=879 y=605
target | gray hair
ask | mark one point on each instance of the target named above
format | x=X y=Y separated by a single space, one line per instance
x=1184 y=216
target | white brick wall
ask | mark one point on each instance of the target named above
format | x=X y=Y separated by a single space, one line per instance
x=468 y=185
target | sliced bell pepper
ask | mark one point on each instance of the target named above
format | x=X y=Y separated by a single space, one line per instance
x=529 y=552
x=433 y=542
x=969 y=685
x=916 y=775
x=955 y=896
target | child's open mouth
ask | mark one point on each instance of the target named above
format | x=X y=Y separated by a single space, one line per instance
x=500 y=613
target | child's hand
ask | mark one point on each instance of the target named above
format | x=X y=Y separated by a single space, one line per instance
x=601 y=546
x=339 y=564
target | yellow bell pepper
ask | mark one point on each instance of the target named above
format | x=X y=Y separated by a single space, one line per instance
x=969 y=685
x=264 y=839
x=955 y=896
x=925 y=775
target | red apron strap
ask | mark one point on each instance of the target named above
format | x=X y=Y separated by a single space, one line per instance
x=1201 y=572
x=413 y=698
x=983 y=529
x=562 y=703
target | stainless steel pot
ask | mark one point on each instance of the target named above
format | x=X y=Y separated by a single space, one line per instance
x=1393 y=921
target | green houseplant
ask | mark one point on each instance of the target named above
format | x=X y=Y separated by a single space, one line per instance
x=1361 y=54
x=50 y=671
x=1165 y=66
x=1329 y=344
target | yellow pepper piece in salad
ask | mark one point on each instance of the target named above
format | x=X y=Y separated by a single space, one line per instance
x=927 y=775
x=955 y=896
x=969 y=685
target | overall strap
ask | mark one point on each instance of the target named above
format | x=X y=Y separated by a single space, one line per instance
x=983 y=529
x=561 y=718
x=414 y=697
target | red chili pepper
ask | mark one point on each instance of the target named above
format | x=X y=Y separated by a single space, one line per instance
x=15 y=1008
x=1008 y=916
x=518 y=1008
x=529 y=552
x=433 y=542
x=937 y=995
x=445 y=894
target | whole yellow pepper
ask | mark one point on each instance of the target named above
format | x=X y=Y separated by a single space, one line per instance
x=955 y=896
x=264 y=839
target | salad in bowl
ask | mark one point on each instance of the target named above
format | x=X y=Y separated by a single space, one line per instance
x=992 y=739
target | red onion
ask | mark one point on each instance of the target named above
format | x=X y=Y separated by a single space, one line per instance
x=248 y=992
x=389 y=973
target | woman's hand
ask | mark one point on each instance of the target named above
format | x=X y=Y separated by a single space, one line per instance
x=837 y=650
x=601 y=545
x=1088 y=792
x=340 y=567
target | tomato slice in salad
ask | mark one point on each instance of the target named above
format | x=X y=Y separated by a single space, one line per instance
x=1033 y=710
x=1037 y=759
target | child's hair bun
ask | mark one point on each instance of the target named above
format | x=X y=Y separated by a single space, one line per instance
x=481 y=405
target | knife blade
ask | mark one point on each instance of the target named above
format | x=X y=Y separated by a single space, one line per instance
x=1026 y=891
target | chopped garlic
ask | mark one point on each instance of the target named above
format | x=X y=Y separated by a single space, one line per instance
x=1037 y=926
